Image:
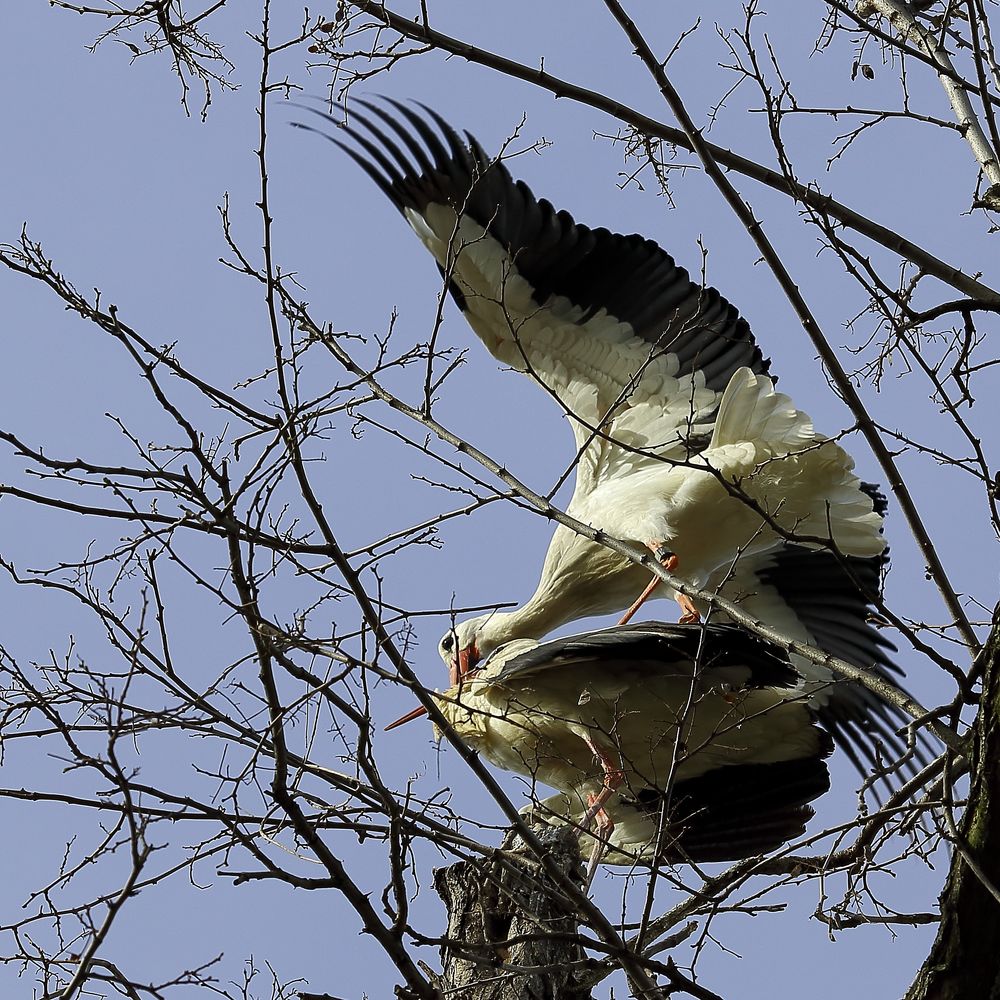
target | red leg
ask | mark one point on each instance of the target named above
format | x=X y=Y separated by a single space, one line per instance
x=602 y=835
x=691 y=613
x=670 y=563
x=613 y=778
x=640 y=601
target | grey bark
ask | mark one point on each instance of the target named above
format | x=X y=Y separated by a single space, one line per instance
x=511 y=933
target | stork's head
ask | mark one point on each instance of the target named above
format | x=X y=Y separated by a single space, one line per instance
x=463 y=647
x=468 y=643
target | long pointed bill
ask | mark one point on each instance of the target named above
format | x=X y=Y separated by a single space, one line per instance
x=409 y=717
x=461 y=667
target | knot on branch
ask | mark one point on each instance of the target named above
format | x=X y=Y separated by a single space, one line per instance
x=990 y=199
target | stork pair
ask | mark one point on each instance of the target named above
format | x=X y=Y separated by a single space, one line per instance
x=683 y=445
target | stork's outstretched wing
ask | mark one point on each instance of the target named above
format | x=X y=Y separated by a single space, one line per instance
x=637 y=353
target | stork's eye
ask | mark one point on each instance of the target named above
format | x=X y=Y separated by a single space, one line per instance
x=448 y=642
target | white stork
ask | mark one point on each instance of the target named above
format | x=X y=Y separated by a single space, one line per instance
x=668 y=396
x=677 y=742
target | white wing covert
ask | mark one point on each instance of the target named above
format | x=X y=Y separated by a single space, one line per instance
x=636 y=352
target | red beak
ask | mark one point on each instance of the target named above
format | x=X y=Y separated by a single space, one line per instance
x=458 y=670
x=463 y=665
x=409 y=717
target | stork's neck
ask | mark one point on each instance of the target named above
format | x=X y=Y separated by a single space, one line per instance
x=542 y=613
x=536 y=619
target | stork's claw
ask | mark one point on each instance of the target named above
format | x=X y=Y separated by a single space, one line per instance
x=691 y=613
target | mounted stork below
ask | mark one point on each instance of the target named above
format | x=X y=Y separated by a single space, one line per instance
x=683 y=444
x=675 y=743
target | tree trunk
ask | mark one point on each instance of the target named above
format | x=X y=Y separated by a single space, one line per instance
x=511 y=934
x=964 y=963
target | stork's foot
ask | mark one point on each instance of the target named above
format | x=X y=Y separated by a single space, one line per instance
x=664 y=556
x=691 y=613
x=669 y=561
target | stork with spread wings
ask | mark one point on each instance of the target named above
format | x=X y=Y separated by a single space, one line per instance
x=683 y=444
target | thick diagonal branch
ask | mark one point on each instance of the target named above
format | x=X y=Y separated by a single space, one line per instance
x=818 y=200
x=829 y=357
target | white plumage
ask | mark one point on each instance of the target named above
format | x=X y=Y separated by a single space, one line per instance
x=691 y=737
x=672 y=411
x=763 y=450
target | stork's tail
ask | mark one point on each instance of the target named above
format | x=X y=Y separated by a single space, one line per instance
x=807 y=480
x=751 y=410
x=736 y=812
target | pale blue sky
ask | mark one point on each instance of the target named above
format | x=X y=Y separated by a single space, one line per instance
x=122 y=189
